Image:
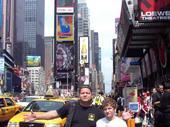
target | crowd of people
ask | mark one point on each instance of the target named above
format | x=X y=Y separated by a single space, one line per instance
x=102 y=111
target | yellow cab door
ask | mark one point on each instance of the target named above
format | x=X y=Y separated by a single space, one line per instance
x=10 y=109
x=3 y=112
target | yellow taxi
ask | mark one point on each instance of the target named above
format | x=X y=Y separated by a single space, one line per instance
x=39 y=106
x=8 y=108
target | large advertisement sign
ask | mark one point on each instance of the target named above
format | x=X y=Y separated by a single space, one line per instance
x=86 y=82
x=65 y=6
x=2 y=66
x=33 y=61
x=64 y=57
x=125 y=77
x=65 y=28
x=66 y=3
x=84 y=50
x=156 y=10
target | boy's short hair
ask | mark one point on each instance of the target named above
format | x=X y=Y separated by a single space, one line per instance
x=85 y=86
x=109 y=101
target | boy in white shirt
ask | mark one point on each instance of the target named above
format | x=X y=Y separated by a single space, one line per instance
x=110 y=120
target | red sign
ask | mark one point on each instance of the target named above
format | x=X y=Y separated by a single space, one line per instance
x=150 y=10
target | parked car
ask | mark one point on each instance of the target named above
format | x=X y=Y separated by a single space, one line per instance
x=8 y=108
x=39 y=106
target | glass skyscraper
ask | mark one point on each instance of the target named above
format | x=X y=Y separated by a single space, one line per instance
x=29 y=30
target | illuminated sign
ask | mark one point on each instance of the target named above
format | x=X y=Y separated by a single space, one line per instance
x=156 y=10
x=83 y=50
x=65 y=28
x=33 y=61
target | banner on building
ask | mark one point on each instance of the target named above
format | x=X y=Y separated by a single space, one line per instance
x=84 y=50
x=2 y=67
x=33 y=61
x=86 y=82
x=153 y=10
x=130 y=94
x=65 y=28
x=64 y=57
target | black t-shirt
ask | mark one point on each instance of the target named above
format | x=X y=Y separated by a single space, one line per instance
x=83 y=116
x=156 y=97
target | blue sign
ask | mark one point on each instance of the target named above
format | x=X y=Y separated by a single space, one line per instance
x=1 y=15
x=134 y=106
x=134 y=63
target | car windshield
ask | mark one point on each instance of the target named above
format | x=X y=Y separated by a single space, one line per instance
x=28 y=99
x=43 y=106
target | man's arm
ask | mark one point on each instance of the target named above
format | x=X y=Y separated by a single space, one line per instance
x=34 y=116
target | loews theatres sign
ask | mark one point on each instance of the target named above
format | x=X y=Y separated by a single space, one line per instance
x=149 y=10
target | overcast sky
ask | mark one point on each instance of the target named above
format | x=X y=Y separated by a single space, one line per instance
x=102 y=16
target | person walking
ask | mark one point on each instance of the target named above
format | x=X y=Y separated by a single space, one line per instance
x=156 y=104
x=110 y=120
x=165 y=106
x=81 y=114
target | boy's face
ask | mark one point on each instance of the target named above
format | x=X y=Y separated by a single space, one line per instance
x=109 y=111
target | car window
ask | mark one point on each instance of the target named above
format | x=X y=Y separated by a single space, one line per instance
x=2 y=103
x=9 y=102
x=43 y=106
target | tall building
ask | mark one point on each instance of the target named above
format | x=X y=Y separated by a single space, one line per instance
x=94 y=49
x=29 y=30
x=83 y=19
x=49 y=59
x=8 y=25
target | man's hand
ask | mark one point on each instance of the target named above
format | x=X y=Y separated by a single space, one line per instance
x=30 y=117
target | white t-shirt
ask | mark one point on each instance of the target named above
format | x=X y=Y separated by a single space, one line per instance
x=116 y=122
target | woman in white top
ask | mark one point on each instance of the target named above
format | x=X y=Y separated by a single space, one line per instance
x=110 y=120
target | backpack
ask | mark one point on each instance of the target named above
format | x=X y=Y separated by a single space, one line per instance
x=119 y=101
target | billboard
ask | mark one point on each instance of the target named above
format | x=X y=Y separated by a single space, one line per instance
x=65 y=28
x=86 y=82
x=84 y=50
x=33 y=61
x=156 y=10
x=2 y=67
x=64 y=57
x=66 y=3
x=65 y=6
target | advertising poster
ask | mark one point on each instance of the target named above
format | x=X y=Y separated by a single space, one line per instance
x=66 y=3
x=84 y=50
x=125 y=77
x=65 y=6
x=130 y=94
x=33 y=61
x=65 y=28
x=86 y=76
x=156 y=10
x=64 y=57
x=2 y=65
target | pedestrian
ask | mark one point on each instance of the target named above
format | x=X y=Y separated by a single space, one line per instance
x=165 y=106
x=110 y=120
x=156 y=104
x=81 y=114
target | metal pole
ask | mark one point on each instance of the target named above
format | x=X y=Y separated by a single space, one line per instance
x=67 y=81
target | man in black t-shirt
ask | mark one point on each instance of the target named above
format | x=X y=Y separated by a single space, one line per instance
x=156 y=97
x=82 y=114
